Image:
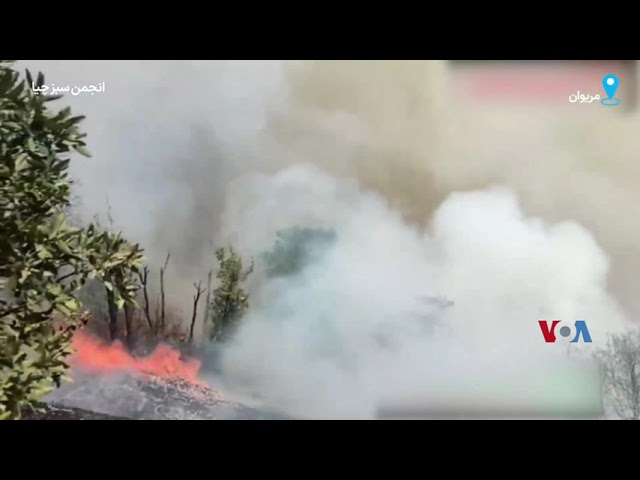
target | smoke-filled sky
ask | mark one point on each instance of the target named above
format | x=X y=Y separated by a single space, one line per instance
x=513 y=212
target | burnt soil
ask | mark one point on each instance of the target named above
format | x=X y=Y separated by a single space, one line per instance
x=55 y=412
x=143 y=397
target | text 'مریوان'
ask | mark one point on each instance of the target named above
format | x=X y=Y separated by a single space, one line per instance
x=583 y=98
x=53 y=90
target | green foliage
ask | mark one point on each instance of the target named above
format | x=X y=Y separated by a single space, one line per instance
x=230 y=301
x=295 y=248
x=116 y=263
x=43 y=260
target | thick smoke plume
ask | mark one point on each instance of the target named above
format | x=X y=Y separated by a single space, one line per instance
x=513 y=214
x=360 y=327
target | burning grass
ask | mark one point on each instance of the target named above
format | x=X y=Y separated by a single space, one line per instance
x=95 y=357
x=164 y=385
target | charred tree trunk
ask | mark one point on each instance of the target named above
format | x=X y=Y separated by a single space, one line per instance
x=196 y=299
x=205 y=319
x=162 y=303
x=157 y=314
x=128 y=320
x=144 y=278
x=113 y=314
x=162 y=295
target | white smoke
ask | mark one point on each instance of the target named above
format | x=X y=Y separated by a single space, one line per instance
x=351 y=332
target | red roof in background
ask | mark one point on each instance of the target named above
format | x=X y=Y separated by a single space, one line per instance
x=537 y=80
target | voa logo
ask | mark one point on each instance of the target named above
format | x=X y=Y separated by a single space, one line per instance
x=557 y=330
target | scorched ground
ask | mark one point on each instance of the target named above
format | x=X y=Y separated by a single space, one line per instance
x=107 y=381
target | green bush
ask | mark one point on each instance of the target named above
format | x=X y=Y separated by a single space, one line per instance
x=230 y=301
x=43 y=260
x=295 y=248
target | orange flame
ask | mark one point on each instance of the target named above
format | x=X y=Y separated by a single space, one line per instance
x=95 y=357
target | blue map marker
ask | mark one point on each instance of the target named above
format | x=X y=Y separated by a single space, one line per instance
x=610 y=84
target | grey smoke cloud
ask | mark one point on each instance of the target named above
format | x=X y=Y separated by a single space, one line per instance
x=354 y=331
x=166 y=137
x=428 y=197
x=157 y=123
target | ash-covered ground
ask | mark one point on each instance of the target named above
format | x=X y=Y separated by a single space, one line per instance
x=147 y=397
x=56 y=412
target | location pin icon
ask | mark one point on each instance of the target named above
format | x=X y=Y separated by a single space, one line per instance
x=610 y=83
